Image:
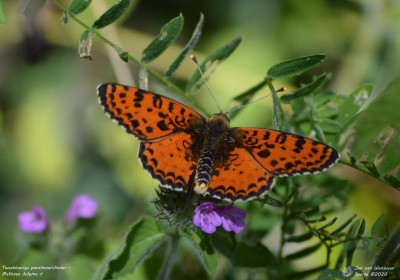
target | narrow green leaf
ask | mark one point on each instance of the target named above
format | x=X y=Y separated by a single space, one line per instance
x=328 y=125
x=344 y=225
x=295 y=66
x=366 y=242
x=326 y=111
x=304 y=91
x=218 y=56
x=202 y=245
x=33 y=7
x=301 y=237
x=271 y=201
x=302 y=253
x=112 y=14
x=85 y=45
x=189 y=46
x=3 y=17
x=245 y=97
x=142 y=238
x=254 y=256
x=328 y=224
x=371 y=167
x=168 y=34
x=78 y=6
x=377 y=224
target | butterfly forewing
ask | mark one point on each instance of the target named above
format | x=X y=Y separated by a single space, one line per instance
x=285 y=154
x=146 y=115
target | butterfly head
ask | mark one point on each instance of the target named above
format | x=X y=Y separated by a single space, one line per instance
x=221 y=116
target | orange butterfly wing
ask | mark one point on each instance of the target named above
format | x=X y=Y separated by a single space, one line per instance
x=239 y=178
x=170 y=160
x=165 y=126
x=285 y=154
x=146 y=115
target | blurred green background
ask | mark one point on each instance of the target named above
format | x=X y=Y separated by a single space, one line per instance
x=56 y=142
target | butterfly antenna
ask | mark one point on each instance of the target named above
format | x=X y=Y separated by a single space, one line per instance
x=201 y=73
x=265 y=96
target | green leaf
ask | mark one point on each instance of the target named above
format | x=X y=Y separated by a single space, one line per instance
x=224 y=242
x=295 y=66
x=366 y=242
x=350 y=245
x=254 y=256
x=202 y=245
x=353 y=103
x=390 y=251
x=78 y=6
x=168 y=34
x=326 y=111
x=33 y=7
x=245 y=97
x=142 y=238
x=3 y=17
x=328 y=125
x=377 y=224
x=85 y=45
x=218 y=56
x=391 y=153
x=189 y=46
x=302 y=253
x=304 y=91
x=301 y=237
x=380 y=119
x=112 y=14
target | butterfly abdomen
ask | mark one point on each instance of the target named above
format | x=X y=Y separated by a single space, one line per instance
x=204 y=170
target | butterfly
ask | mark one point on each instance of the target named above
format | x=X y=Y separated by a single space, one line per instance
x=228 y=163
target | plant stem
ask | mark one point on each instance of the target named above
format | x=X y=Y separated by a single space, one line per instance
x=363 y=169
x=158 y=76
x=166 y=267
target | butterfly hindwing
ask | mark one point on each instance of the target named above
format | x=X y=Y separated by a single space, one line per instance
x=239 y=178
x=169 y=160
x=146 y=115
x=285 y=154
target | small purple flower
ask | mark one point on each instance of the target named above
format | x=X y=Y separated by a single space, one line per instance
x=232 y=218
x=206 y=217
x=83 y=206
x=33 y=221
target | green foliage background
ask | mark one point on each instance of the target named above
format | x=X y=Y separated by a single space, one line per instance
x=55 y=141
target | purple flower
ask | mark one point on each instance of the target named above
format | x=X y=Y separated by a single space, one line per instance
x=232 y=218
x=206 y=217
x=83 y=206
x=34 y=221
